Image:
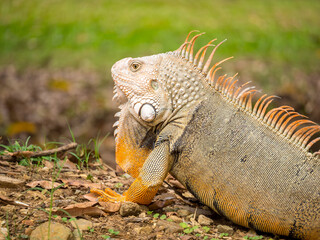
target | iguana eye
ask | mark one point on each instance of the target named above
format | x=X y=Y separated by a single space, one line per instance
x=134 y=66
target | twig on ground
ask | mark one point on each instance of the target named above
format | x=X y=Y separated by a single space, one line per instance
x=28 y=154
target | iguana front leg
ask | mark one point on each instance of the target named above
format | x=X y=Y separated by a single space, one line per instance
x=146 y=185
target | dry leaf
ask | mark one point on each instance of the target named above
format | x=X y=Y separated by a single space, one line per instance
x=80 y=182
x=91 y=196
x=5 y=164
x=176 y=183
x=8 y=182
x=160 y=204
x=48 y=164
x=44 y=184
x=28 y=222
x=81 y=205
x=12 y=202
x=81 y=209
x=70 y=165
x=5 y=199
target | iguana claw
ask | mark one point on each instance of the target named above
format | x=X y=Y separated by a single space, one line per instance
x=108 y=195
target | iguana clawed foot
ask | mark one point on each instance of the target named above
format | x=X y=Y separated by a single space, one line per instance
x=108 y=195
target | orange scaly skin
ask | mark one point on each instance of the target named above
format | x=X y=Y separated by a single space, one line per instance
x=257 y=167
x=131 y=157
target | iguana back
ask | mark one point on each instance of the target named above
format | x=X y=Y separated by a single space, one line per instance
x=246 y=172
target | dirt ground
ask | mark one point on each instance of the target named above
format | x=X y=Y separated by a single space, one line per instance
x=31 y=195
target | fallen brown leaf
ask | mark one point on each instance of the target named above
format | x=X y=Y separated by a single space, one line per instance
x=91 y=196
x=70 y=165
x=162 y=200
x=81 y=209
x=160 y=204
x=28 y=222
x=44 y=184
x=6 y=200
x=81 y=205
x=8 y=182
x=176 y=183
x=80 y=182
x=48 y=164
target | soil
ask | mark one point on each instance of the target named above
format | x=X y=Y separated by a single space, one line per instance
x=27 y=200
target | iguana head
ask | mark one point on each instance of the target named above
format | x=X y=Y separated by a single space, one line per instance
x=157 y=86
x=137 y=82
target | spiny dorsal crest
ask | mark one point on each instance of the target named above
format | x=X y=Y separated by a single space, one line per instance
x=283 y=120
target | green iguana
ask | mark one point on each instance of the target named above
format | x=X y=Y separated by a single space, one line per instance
x=250 y=164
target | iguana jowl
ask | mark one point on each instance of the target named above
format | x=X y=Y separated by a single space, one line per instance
x=248 y=164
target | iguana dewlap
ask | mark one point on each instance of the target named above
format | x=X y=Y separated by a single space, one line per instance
x=249 y=164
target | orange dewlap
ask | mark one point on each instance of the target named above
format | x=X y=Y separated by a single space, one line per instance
x=129 y=156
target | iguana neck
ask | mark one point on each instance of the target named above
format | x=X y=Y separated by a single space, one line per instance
x=183 y=83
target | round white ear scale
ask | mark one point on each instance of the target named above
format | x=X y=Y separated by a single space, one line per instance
x=137 y=107
x=147 y=112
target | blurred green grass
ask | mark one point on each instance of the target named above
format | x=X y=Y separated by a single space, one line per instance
x=94 y=34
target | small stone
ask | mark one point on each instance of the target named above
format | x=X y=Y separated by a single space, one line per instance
x=183 y=212
x=143 y=230
x=143 y=215
x=131 y=209
x=57 y=231
x=251 y=233
x=204 y=221
x=82 y=224
x=169 y=227
x=168 y=209
x=176 y=219
x=225 y=229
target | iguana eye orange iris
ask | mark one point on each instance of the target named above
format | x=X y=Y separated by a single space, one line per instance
x=135 y=66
